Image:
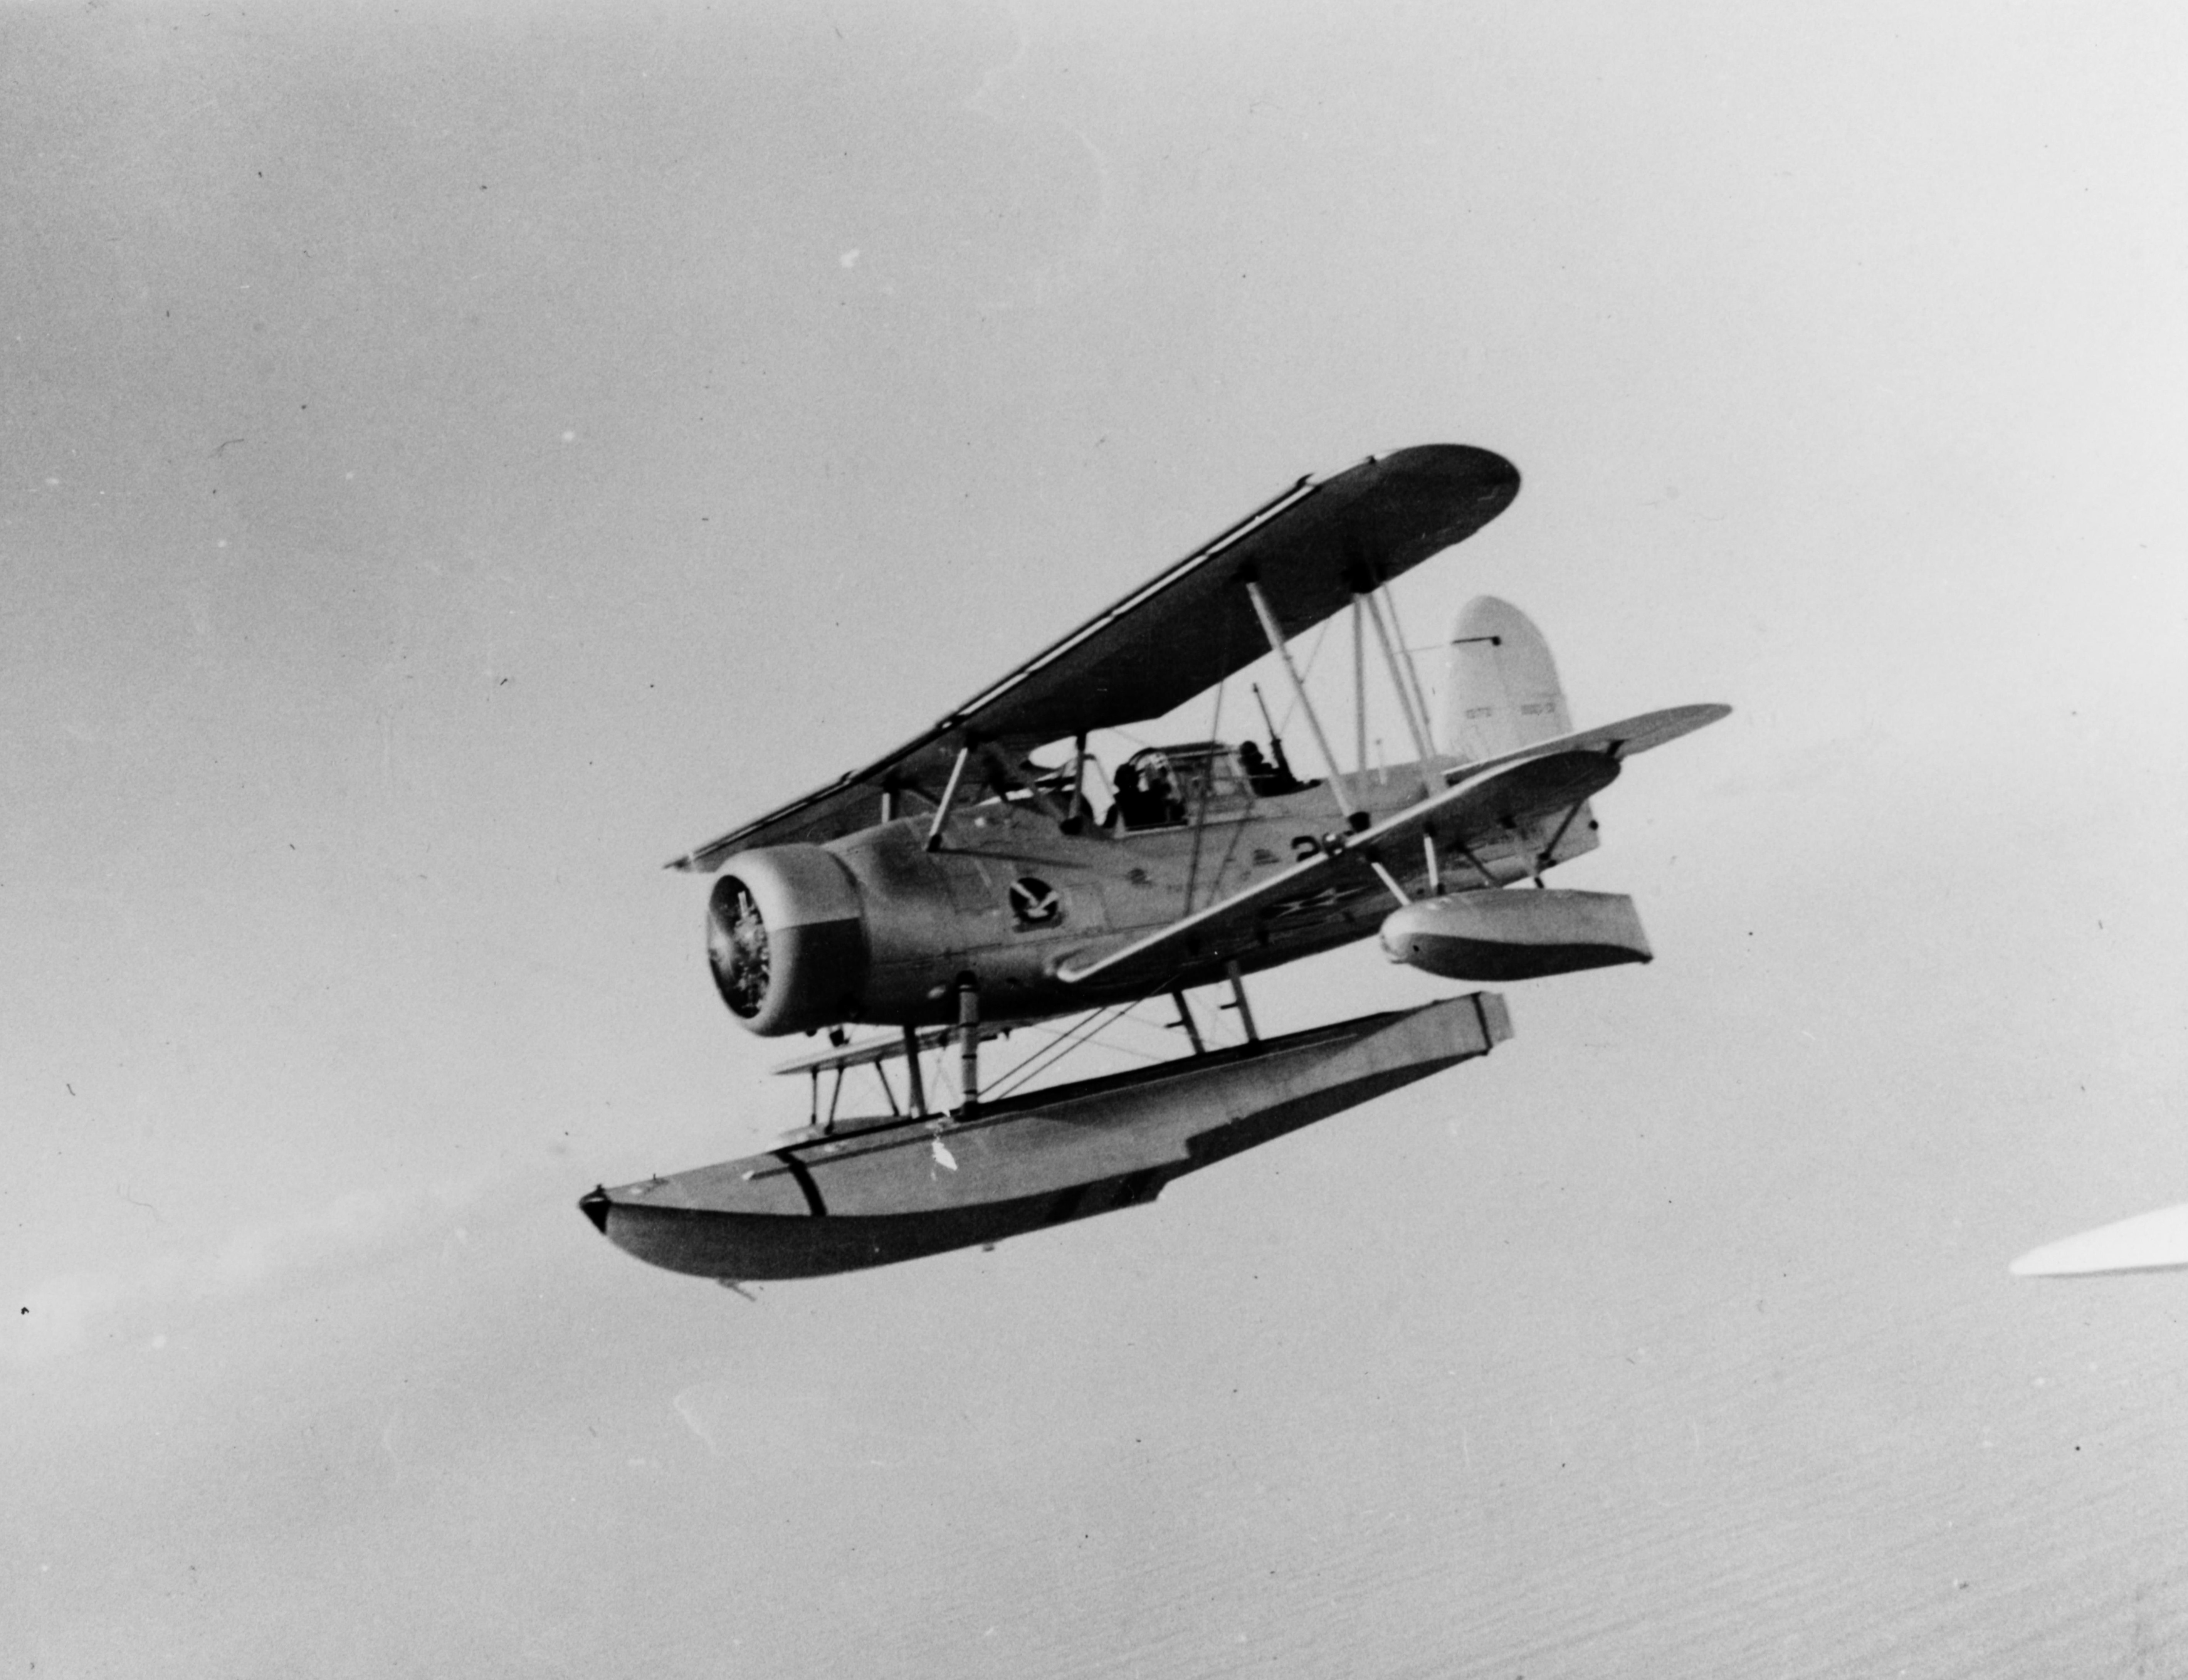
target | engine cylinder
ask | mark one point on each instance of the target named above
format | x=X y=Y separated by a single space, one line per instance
x=787 y=939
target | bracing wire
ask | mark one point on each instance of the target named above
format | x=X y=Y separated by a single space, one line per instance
x=1055 y=1037
x=1420 y=695
x=1207 y=795
x=1080 y=1032
x=1306 y=671
x=1054 y=1052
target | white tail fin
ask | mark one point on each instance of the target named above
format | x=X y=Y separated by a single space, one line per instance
x=1502 y=694
x=1502 y=691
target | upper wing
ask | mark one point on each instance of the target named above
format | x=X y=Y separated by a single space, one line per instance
x=1552 y=776
x=1184 y=632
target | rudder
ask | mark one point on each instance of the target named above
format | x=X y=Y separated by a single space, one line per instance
x=1502 y=691
x=1500 y=694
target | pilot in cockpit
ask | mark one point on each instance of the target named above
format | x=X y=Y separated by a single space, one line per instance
x=1164 y=806
x=1144 y=796
x=1126 y=798
x=1267 y=780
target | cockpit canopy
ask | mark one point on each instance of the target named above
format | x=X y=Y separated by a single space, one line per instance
x=1165 y=787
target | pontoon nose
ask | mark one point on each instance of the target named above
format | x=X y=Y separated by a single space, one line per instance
x=593 y=1204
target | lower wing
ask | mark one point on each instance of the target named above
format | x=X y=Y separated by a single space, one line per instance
x=1507 y=791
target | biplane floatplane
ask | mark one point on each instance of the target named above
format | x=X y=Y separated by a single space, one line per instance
x=981 y=877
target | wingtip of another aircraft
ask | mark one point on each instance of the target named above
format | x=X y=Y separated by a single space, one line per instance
x=2151 y=1242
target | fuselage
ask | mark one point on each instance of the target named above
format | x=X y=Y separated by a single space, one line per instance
x=1009 y=894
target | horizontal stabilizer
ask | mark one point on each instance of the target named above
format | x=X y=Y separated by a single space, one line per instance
x=1621 y=740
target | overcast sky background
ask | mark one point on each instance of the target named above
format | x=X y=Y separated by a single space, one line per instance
x=452 y=460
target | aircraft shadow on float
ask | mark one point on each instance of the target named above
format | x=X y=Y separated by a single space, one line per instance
x=969 y=883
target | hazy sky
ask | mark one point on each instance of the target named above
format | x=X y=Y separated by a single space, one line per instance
x=453 y=459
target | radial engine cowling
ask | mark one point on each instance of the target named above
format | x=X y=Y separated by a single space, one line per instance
x=1516 y=934
x=787 y=939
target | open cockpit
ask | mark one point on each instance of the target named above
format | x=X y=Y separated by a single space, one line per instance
x=1169 y=787
x=1196 y=781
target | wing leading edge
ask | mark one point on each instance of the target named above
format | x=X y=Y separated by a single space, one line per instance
x=1182 y=633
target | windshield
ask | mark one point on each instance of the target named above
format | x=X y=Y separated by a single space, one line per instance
x=1165 y=786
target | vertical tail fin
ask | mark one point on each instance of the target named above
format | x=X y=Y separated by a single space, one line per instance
x=1502 y=691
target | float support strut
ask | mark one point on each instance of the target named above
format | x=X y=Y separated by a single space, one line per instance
x=1185 y=1020
x=968 y=1045
x=918 y=1096
x=1238 y=995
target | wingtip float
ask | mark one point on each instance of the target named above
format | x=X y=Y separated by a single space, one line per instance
x=991 y=873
